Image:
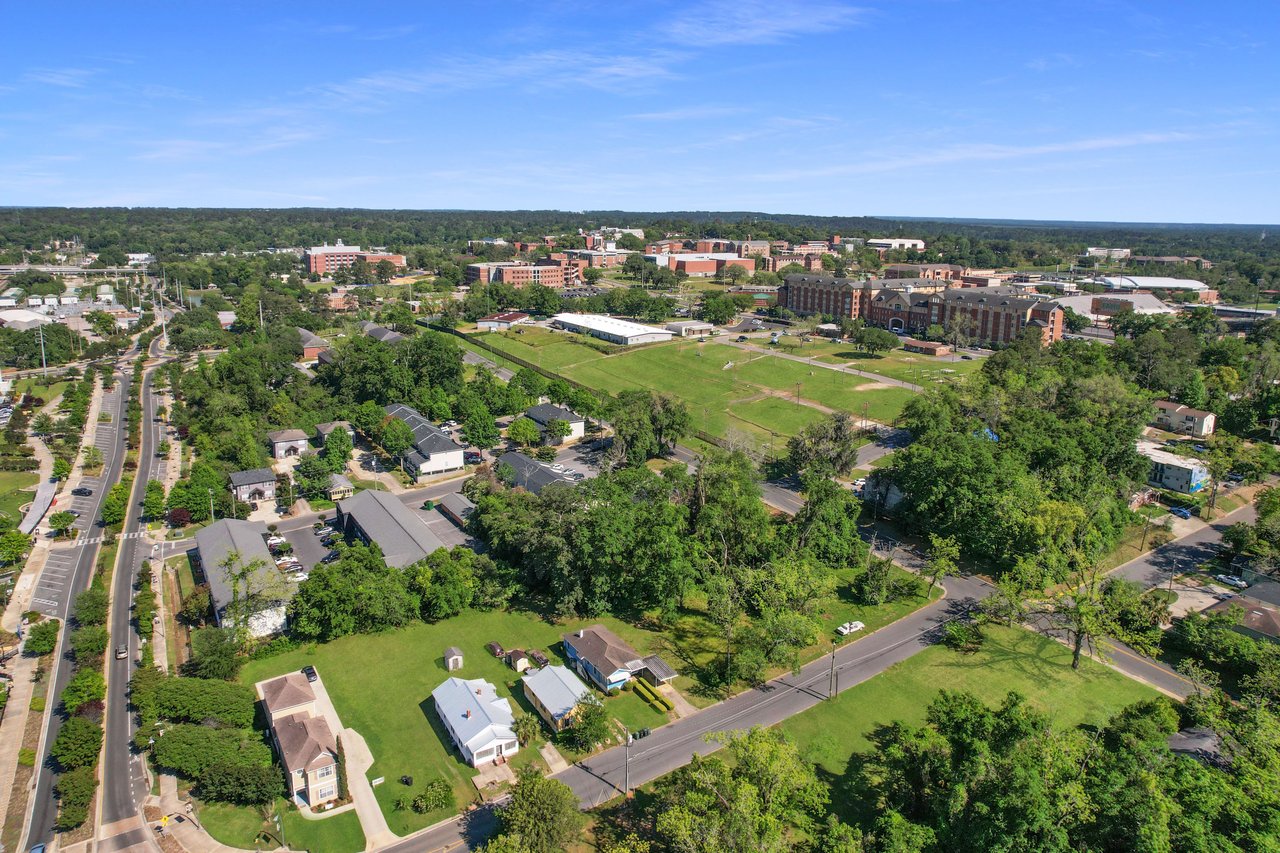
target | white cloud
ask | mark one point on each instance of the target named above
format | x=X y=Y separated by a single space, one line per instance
x=726 y=22
x=66 y=78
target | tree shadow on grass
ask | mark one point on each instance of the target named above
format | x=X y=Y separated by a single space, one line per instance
x=852 y=798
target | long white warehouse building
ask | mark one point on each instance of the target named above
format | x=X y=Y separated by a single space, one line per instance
x=611 y=329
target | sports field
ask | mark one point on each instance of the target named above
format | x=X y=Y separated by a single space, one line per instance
x=728 y=390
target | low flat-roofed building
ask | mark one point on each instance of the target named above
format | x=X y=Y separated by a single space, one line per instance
x=933 y=348
x=257 y=597
x=503 y=321
x=611 y=329
x=690 y=328
x=1173 y=472
x=20 y=319
x=380 y=518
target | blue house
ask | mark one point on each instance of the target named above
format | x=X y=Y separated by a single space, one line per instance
x=603 y=658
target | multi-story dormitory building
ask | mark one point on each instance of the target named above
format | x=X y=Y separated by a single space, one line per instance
x=988 y=314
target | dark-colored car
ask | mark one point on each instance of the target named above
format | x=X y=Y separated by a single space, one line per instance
x=82 y=491
x=472 y=457
x=310 y=672
x=331 y=557
x=742 y=339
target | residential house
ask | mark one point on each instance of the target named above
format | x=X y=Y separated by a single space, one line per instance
x=932 y=348
x=323 y=430
x=380 y=333
x=287 y=442
x=528 y=473
x=477 y=719
x=256 y=484
x=433 y=451
x=554 y=692
x=340 y=488
x=380 y=518
x=1184 y=420
x=544 y=413
x=1259 y=619
x=312 y=344
x=244 y=584
x=608 y=661
x=307 y=748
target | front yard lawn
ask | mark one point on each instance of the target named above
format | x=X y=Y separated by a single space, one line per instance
x=239 y=826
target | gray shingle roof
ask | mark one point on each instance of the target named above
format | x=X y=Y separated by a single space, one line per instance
x=606 y=651
x=310 y=338
x=458 y=504
x=530 y=474
x=253 y=477
x=427 y=437
x=403 y=537
x=543 y=413
x=380 y=333
x=287 y=435
x=244 y=539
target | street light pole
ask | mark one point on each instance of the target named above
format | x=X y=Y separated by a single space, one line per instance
x=210 y=491
x=831 y=677
x=626 y=785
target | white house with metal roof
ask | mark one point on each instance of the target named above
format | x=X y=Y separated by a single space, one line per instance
x=479 y=721
x=433 y=451
x=555 y=692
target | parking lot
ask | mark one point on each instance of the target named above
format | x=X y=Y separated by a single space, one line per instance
x=53 y=590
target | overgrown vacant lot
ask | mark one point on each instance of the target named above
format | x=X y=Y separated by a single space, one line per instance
x=1011 y=659
x=381 y=683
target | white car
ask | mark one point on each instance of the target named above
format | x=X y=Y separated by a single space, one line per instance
x=276 y=540
x=849 y=627
x=556 y=466
x=284 y=561
x=1231 y=580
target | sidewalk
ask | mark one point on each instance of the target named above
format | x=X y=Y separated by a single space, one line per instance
x=46 y=488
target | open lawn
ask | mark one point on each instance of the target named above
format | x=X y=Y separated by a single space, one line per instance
x=16 y=489
x=36 y=387
x=902 y=365
x=381 y=683
x=239 y=826
x=1011 y=659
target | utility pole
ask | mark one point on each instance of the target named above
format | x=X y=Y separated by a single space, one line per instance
x=831 y=676
x=210 y=504
x=44 y=364
x=626 y=784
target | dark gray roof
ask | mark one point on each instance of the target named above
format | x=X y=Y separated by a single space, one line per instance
x=660 y=669
x=323 y=430
x=403 y=537
x=325 y=356
x=286 y=435
x=427 y=437
x=380 y=333
x=544 y=413
x=458 y=504
x=530 y=474
x=310 y=338
x=244 y=539
x=253 y=477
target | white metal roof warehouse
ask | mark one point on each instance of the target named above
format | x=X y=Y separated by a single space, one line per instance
x=1152 y=282
x=611 y=328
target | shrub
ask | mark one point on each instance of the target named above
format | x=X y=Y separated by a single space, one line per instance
x=436 y=795
x=27 y=757
x=75 y=790
x=37 y=704
x=243 y=784
x=42 y=638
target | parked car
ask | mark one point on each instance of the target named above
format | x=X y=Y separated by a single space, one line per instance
x=284 y=561
x=324 y=531
x=1225 y=596
x=849 y=627
x=82 y=491
x=742 y=339
x=966 y=358
x=332 y=556
x=276 y=540
x=1232 y=580
x=310 y=672
x=1180 y=512
x=472 y=457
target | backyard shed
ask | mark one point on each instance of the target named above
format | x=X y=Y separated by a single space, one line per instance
x=452 y=658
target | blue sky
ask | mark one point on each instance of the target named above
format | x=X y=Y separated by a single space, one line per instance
x=1156 y=111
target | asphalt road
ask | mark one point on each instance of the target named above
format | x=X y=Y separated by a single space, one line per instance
x=123 y=778
x=44 y=807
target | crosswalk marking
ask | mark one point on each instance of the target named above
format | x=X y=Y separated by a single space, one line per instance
x=45 y=601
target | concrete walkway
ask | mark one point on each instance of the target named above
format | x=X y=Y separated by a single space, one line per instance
x=46 y=487
x=839 y=368
x=359 y=759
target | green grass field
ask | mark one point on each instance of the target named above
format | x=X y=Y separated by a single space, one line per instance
x=381 y=683
x=1011 y=659
x=36 y=387
x=239 y=826
x=16 y=489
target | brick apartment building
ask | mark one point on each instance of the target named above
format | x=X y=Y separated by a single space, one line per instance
x=520 y=273
x=326 y=259
x=811 y=263
x=995 y=315
x=944 y=272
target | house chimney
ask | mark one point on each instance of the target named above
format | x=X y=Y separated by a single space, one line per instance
x=466 y=715
x=579 y=633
